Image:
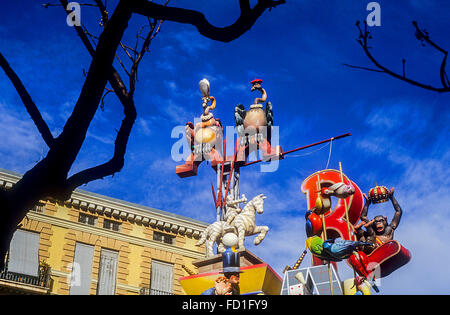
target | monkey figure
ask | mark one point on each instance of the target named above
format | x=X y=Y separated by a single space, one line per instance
x=378 y=230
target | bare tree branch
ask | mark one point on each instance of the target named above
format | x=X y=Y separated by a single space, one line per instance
x=103 y=11
x=116 y=163
x=245 y=21
x=28 y=102
x=100 y=70
x=155 y=29
x=362 y=68
x=423 y=35
x=364 y=36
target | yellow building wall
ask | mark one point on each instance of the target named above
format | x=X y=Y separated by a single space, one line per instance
x=57 y=247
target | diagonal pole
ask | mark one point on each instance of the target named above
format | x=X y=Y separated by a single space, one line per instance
x=231 y=170
x=324 y=236
x=345 y=204
x=220 y=194
x=304 y=147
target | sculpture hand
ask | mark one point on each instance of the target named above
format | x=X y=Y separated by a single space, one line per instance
x=366 y=198
x=391 y=195
x=223 y=286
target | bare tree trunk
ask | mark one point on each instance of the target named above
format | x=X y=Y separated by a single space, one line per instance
x=49 y=177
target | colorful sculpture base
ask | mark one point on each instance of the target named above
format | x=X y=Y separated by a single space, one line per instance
x=388 y=257
x=257 y=277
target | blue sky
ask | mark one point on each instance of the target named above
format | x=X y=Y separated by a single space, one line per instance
x=400 y=132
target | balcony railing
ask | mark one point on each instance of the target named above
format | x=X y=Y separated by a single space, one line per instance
x=148 y=291
x=41 y=280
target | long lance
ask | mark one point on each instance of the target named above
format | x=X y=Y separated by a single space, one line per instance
x=346 y=205
x=324 y=237
x=231 y=173
x=214 y=195
x=282 y=154
x=220 y=194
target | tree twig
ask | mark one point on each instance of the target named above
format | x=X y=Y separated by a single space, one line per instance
x=30 y=106
x=364 y=36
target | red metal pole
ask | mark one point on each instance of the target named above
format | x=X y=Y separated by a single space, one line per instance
x=220 y=196
x=231 y=171
x=214 y=195
x=305 y=147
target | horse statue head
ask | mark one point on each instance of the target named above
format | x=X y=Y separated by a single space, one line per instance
x=257 y=204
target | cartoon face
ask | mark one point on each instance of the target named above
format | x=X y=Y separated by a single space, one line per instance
x=379 y=224
x=341 y=190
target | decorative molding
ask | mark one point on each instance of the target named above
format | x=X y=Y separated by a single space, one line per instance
x=115 y=235
x=124 y=210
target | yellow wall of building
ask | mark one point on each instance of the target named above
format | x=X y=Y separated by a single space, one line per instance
x=60 y=231
x=56 y=250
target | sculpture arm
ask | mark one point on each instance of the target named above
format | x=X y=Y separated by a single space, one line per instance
x=365 y=209
x=398 y=213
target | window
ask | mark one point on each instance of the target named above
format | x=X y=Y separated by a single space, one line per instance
x=23 y=255
x=80 y=283
x=111 y=225
x=87 y=219
x=161 y=278
x=108 y=271
x=165 y=238
x=40 y=207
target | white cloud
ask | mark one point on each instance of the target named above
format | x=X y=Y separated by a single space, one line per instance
x=176 y=113
x=164 y=65
x=22 y=145
x=144 y=127
x=191 y=42
x=103 y=139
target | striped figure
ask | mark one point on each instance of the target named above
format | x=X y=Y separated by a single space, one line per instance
x=232 y=208
x=213 y=234
x=244 y=222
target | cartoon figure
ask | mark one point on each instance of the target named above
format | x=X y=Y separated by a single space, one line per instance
x=241 y=222
x=332 y=249
x=339 y=190
x=357 y=286
x=313 y=223
x=384 y=254
x=205 y=138
x=228 y=284
x=245 y=224
x=232 y=208
x=254 y=127
x=251 y=123
x=213 y=234
x=378 y=230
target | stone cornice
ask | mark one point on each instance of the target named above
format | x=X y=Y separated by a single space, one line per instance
x=55 y=221
x=100 y=204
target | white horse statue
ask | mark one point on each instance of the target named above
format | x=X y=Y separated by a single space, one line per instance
x=243 y=224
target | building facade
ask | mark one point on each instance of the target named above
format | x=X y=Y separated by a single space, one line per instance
x=93 y=244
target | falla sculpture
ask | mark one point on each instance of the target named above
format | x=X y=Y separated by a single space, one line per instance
x=254 y=126
x=334 y=234
x=240 y=222
x=205 y=138
x=207 y=142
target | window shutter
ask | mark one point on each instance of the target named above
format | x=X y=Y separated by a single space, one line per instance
x=161 y=278
x=82 y=269
x=24 y=253
x=108 y=270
